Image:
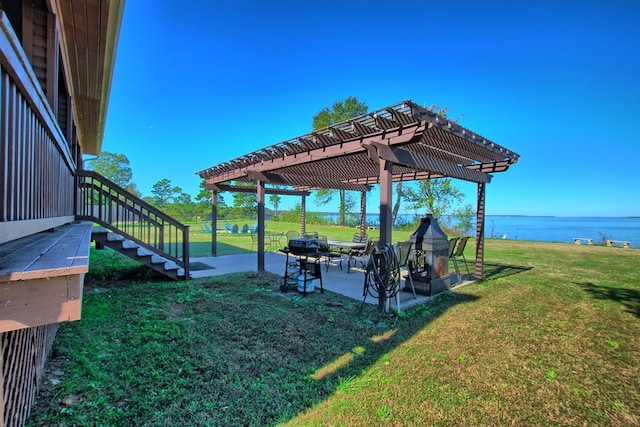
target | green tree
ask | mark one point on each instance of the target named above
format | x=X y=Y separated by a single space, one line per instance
x=339 y=112
x=443 y=200
x=245 y=205
x=182 y=206
x=114 y=167
x=163 y=193
x=275 y=200
x=292 y=215
x=203 y=203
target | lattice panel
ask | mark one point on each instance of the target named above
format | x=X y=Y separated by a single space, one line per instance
x=24 y=354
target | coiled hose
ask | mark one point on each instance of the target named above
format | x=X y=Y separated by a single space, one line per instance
x=382 y=275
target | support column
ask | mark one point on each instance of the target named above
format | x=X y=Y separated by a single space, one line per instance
x=363 y=213
x=214 y=222
x=386 y=191
x=2 y=379
x=303 y=216
x=479 y=270
x=260 y=196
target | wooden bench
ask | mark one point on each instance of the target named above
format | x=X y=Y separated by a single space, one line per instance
x=578 y=240
x=41 y=277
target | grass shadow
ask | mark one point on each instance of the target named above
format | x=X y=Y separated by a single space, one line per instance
x=495 y=270
x=203 y=249
x=238 y=337
x=629 y=298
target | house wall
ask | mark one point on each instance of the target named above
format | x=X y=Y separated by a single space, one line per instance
x=39 y=155
x=37 y=184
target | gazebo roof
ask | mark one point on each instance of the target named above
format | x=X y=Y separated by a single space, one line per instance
x=418 y=142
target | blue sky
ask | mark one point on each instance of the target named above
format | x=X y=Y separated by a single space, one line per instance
x=558 y=82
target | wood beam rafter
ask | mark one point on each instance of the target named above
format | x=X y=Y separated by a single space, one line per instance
x=219 y=188
x=411 y=159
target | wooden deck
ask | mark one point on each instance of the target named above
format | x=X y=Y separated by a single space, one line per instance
x=41 y=277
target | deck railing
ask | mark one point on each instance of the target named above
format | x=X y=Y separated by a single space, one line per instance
x=116 y=209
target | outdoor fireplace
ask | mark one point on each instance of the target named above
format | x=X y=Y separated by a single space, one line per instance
x=430 y=264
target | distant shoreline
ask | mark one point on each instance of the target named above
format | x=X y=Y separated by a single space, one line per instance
x=496 y=215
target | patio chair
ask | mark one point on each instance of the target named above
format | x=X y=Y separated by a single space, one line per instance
x=254 y=241
x=351 y=253
x=403 y=251
x=459 y=252
x=254 y=228
x=327 y=253
x=291 y=234
x=363 y=257
x=245 y=228
x=234 y=229
x=205 y=228
x=228 y=227
x=452 y=246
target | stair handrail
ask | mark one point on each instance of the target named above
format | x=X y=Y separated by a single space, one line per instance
x=104 y=202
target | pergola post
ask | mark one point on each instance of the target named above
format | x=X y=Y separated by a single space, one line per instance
x=260 y=196
x=303 y=216
x=363 y=213
x=479 y=270
x=386 y=221
x=214 y=222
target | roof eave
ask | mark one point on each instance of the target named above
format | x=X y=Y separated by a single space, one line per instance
x=89 y=37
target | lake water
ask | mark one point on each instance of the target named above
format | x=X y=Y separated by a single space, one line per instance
x=563 y=229
x=553 y=229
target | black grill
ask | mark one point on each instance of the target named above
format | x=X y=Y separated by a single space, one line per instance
x=303 y=246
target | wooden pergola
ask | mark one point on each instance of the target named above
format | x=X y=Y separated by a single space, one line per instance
x=402 y=142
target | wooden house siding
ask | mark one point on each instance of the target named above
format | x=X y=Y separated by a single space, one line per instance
x=35 y=168
x=37 y=184
x=39 y=47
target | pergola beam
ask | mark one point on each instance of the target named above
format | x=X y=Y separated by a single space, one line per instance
x=400 y=156
x=339 y=186
x=393 y=137
x=306 y=181
x=219 y=188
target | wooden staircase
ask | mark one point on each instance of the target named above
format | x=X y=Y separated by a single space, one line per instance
x=169 y=268
x=132 y=226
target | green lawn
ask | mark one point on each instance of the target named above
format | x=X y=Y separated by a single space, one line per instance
x=549 y=338
x=200 y=242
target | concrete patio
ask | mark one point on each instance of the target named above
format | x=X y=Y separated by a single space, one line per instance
x=335 y=280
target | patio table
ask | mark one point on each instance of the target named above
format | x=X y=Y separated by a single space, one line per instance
x=350 y=246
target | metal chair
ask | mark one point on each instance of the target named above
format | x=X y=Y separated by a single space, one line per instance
x=292 y=234
x=452 y=246
x=325 y=250
x=363 y=256
x=254 y=241
x=459 y=252
x=353 y=253
x=403 y=250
